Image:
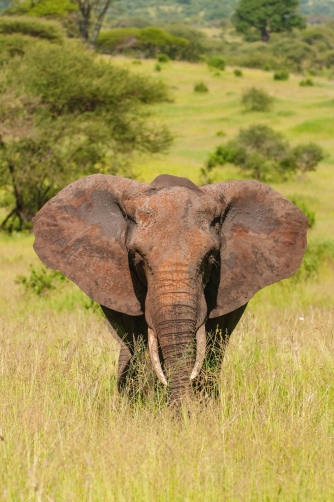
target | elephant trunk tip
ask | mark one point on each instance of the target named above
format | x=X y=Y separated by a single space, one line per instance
x=200 y=354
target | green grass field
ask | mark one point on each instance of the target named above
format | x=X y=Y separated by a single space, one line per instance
x=65 y=434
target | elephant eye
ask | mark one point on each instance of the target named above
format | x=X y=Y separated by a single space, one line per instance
x=216 y=223
x=131 y=218
x=213 y=261
x=137 y=259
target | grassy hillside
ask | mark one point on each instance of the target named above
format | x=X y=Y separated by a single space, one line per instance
x=200 y=122
x=66 y=435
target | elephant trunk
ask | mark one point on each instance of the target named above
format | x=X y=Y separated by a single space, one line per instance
x=176 y=335
x=174 y=319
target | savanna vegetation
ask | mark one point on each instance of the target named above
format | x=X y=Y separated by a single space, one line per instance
x=66 y=111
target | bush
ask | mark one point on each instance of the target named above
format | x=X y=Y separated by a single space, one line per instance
x=43 y=8
x=157 y=67
x=196 y=39
x=117 y=40
x=265 y=155
x=37 y=28
x=238 y=73
x=217 y=62
x=300 y=202
x=14 y=45
x=201 y=87
x=308 y=82
x=163 y=58
x=153 y=39
x=259 y=151
x=317 y=253
x=39 y=282
x=307 y=157
x=147 y=41
x=281 y=75
x=256 y=100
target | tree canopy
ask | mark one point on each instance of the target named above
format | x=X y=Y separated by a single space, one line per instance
x=266 y=16
x=66 y=113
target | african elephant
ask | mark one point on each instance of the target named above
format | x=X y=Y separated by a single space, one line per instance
x=170 y=261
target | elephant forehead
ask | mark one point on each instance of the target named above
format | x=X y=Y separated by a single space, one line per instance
x=173 y=203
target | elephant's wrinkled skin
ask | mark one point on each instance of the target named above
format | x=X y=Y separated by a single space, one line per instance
x=166 y=259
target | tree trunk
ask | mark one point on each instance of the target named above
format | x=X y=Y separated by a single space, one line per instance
x=84 y=23
x=92 y=10
x=265 y=34
x=100 y=19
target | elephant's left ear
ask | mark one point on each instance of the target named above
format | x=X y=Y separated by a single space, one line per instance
x=263 y=240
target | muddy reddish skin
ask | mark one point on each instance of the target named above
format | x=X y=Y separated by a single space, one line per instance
x=177 y=254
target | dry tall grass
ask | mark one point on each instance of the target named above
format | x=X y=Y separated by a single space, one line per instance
x=66 y=434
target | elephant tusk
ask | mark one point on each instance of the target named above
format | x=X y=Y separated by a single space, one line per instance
x=153 y=349
x=200 y=351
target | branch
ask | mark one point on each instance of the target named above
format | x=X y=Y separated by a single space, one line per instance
x=8 y=217
x=100 y=18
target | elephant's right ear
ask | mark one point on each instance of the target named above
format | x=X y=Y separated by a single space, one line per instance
x=81 y=231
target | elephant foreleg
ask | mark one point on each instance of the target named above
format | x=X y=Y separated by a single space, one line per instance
x=219 y=330
x=124 y=359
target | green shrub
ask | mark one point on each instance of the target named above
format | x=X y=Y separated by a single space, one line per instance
x=281 y=75
x=312 y=72
x=265 y=155
x=37 y=28
x=307 y=82
x=43 y=8
x=238 y=73
x=256 y=100
x=147 y=41
x=253 y=55
x=200 y=87
x=329 y=60
x=153 y=40
x=39 y=282
x=217 y=62
x=6 y=199
x=163 y=58
x=307 y=157
x=157 y=67
x=303 y=206
x=14 y=45
x=259 y=151
x=119 y=39
x=197 y=42
x=317 y=253
x=293 y=51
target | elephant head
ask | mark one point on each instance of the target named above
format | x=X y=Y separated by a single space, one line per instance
x=177 y=253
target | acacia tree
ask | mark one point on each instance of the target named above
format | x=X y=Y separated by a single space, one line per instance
x=266 y=17
x=65 y=113
x=92 y=14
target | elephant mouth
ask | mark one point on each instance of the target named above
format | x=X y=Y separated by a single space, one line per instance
x=154 y=354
